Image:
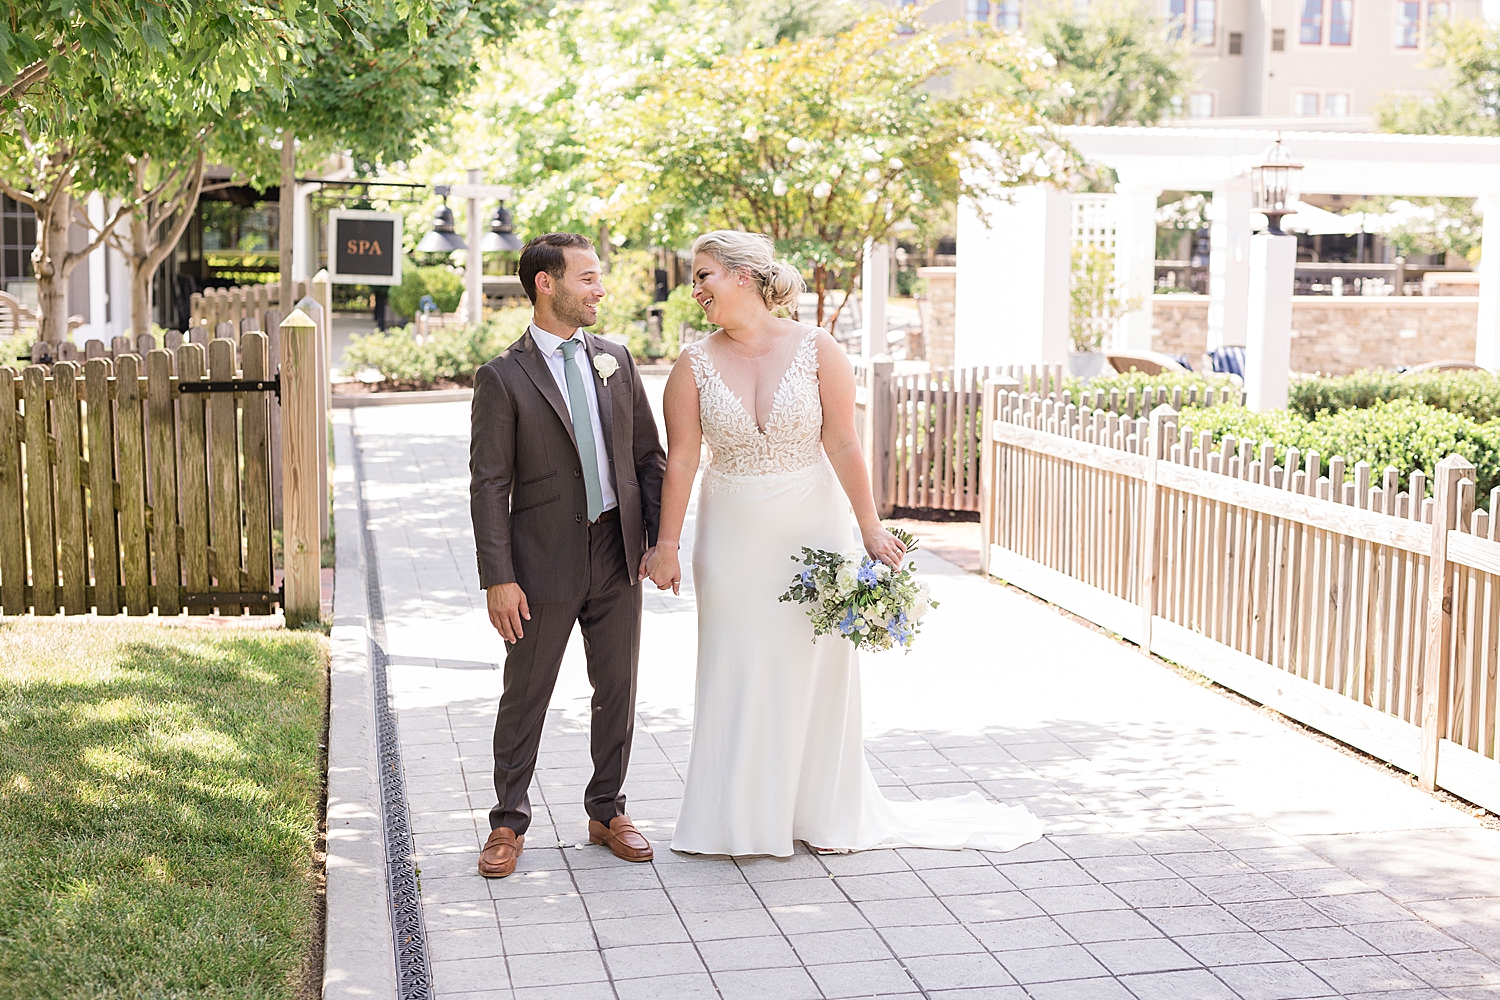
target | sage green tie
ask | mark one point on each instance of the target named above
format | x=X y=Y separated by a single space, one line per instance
x=583 y=430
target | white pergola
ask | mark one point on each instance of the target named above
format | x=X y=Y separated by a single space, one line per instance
x=1012 y=282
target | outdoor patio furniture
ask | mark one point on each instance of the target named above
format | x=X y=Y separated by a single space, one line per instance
x=1227 y=360
x=1443 y=366
x=1145 y=362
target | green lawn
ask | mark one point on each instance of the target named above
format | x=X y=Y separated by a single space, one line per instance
x=159 y=795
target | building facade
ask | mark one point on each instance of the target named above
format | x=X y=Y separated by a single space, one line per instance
x=1281 y=58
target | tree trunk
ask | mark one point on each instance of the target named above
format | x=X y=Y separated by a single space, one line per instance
x=141 y=272
x=49 y=262
x=820 y=286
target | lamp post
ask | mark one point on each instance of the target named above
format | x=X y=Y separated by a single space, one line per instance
x=1273 y=268
x=443 y=238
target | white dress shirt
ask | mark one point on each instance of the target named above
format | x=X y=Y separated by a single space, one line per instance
x=551 y=347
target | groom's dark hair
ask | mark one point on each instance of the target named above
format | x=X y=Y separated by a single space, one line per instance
x=545 y=253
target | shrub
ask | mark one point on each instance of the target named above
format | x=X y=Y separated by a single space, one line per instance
x=445 y=285
x=1402 y=433
x=1125 y=381
x=681 y=308
x=1472 y=394
x=449 y=356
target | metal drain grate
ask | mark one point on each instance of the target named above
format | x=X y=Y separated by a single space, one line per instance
x=413 y=973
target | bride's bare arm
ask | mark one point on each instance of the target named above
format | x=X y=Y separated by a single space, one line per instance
x=841 y=443
x=684 y=445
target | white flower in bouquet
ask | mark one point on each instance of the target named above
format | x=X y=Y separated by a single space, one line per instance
x=862 y=599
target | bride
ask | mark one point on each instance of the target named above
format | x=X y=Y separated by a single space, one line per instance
x=777 y=752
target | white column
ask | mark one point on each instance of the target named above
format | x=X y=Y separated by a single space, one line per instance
x=1268 y=334
x=1487 y=338
x=873 y=282
x=1014 y=262
x=98 y=278
x=474 y=260
x=1228 y=264
x=304 y=240
x=1135 y=261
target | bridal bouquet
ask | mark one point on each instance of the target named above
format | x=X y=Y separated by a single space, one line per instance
x=862 y=599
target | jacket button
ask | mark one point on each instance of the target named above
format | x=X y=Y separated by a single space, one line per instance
x=577 y=473
x=577 y=518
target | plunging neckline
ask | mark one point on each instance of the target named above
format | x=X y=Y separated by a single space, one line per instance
x=776 y=395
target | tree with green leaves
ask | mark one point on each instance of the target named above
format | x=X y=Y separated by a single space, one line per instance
x=134 y=116
x=1470 y=103
x=1116 y=60
x=654 y=129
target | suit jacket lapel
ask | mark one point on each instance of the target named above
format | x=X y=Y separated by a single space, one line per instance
x=605 y=395
x=535 y=366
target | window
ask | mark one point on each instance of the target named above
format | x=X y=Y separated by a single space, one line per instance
x=1312 y=23
x=1337 y=16
x=1408 y=24
x=1336 y=105
x=1340 y=22
x=1009 y=18
x=1205 y=24
x=1236 y=43
x=1305 y=105
x=1278 y=39
x=977 y=10
x=1176 y=18
x=17 y=239
x=1200 y=105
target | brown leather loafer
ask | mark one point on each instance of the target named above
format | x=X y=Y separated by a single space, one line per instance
x=501 y=851
x=622 y=838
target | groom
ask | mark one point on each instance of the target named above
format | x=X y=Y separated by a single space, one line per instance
x=565 y=493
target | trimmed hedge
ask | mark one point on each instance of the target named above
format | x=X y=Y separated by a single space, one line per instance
x=445 y=285
x=1138 y=381
x=448 y=357
x=1401 y=433
x=1472 y=394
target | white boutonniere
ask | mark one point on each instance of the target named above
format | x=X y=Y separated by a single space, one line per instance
x=605 y=365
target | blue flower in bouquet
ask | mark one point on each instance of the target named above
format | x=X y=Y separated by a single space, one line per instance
x=869 y=574
x=807 y=578
x=849 y=622
x=899 y=629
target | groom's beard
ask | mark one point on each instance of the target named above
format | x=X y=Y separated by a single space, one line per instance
x=571 y=310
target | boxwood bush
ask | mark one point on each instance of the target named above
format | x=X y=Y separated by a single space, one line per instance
x=1473 y=394
x=448 y=357
x=1134 y=379
x=1401 y=433
x=445 y=285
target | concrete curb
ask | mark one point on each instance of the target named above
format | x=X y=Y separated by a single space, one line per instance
x=401 y=398
x=359 y=953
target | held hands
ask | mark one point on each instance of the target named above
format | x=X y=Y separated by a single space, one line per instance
x=507 y=607
x=883 y=545
x=661 y=565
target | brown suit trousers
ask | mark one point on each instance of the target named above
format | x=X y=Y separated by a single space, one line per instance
x=528 y=503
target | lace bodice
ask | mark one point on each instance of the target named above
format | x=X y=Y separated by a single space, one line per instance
x=793 y=436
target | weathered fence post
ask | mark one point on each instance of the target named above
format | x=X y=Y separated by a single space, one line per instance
x=878 y=443
x=1437 y=664
x=321 y=293
x=1163 y=420
x=301 y=428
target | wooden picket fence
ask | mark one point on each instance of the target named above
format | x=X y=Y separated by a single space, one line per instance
x=129 y=485
x=1357 y=605
x=232 y=311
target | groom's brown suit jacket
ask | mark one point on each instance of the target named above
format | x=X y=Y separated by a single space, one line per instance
x=526 y=492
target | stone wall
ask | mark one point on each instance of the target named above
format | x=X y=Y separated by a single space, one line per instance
x=1336 y=336
x=940 y=314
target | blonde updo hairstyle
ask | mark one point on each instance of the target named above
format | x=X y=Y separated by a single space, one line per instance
x=754 y=254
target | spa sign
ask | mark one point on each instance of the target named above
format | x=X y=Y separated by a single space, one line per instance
x=364 y=247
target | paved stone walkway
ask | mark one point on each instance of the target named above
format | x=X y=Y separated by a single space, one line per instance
x=1196 y=849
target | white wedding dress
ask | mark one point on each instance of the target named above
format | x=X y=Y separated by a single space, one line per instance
x=777 y=752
